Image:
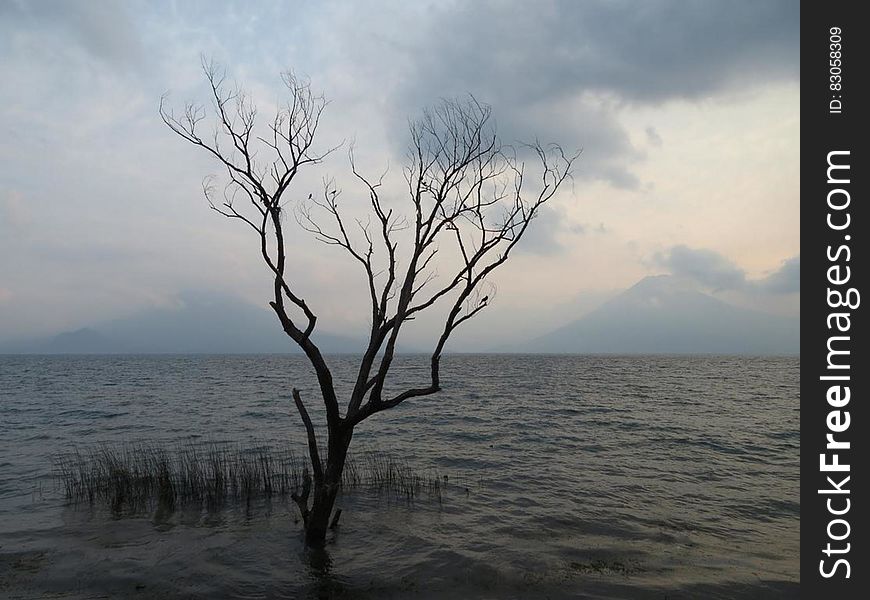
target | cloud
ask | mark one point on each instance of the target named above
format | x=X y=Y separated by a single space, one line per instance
x=652 y=136
x=121 y=221
x=785 y=280
x=103 y=29
x=549 y=232
x=712 y=270
x=563 y=70
x=706 y=267
x=661 y=50
x=542 y=236
x=14 y=214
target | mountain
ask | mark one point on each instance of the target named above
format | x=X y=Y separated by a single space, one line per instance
x=658 y=315
x=664 y=315
x=200 y=324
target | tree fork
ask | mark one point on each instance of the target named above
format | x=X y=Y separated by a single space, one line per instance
x=327 y=483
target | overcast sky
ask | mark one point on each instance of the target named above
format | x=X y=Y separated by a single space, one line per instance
x=687 y=114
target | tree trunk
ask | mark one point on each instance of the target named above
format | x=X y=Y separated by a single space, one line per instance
x=325 y=492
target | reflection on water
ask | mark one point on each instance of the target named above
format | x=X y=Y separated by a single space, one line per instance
x=576 y=477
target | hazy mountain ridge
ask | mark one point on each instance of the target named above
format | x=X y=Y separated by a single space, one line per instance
x=658 y=315
x=201 y=324
x=662 y=314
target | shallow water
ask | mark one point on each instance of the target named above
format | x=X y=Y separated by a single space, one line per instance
x=571 y=477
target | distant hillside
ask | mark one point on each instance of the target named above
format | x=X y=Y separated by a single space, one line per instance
x=661 y=315
x=201 y=324
x=657 y=315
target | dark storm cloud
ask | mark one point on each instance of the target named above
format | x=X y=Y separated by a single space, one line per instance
x=641 y=51
x=714 y=271
x=540 y=63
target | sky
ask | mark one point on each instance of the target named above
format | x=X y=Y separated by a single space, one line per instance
x=687 y=114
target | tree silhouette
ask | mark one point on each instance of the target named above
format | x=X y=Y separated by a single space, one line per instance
x=465 y=189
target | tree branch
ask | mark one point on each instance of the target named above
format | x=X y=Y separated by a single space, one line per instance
x=313 y=452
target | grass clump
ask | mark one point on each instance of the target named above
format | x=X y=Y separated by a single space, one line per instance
x=139 y=476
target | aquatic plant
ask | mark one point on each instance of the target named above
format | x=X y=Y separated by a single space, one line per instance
x=142 y=475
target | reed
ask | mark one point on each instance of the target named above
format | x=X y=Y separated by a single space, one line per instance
x=143 y=475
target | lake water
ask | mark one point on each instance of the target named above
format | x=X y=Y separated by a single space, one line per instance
x=571 y=477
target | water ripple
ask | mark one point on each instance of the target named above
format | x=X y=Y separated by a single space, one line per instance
x=598 y=477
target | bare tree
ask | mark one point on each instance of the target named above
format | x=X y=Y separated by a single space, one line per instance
x=465 y=189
